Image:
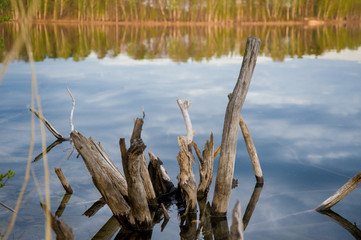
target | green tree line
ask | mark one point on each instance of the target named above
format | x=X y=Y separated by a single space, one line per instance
x=189 y=10
x=180 y=44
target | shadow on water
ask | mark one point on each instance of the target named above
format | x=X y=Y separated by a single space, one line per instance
x=180 y=44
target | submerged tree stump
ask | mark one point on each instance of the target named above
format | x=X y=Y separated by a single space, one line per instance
x=106 y=178
x=227 y=157
x=136 y=192
x=186 y=178
x=147 y=183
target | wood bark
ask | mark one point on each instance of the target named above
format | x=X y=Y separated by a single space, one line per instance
x=187 y=120
x=48 y=125
x=237 y=224
x=340 y=193
x=205 y=168
x=136 y=192
x=106 y=178
x=63 y=180
x=165 y=212
x=147 y=183
x=161 y=181
x=251 y=151
x=227 y=157
x=186 y=178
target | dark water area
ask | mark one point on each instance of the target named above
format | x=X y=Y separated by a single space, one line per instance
x=303 y=110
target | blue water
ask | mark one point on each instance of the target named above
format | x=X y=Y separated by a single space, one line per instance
x=303 y=115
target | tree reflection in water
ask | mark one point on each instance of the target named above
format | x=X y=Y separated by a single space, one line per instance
x=180 y=44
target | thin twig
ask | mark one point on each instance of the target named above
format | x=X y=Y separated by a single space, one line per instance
x=48 y=125
x=195 y=146
x=9 y=208
x=72 y=110
x=184 y=108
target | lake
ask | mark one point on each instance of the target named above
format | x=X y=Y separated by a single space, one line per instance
x=303 y=110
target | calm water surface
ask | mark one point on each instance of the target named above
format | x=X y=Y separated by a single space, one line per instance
x=303 y=113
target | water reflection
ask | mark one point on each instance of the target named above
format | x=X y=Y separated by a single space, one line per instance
x=180 y=44
x=351 y=228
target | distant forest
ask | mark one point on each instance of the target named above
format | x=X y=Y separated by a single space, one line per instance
x=188 y=10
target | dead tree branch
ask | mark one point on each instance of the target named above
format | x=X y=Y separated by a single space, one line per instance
x=251 y=151
x=72 y=110
x=187 y=120
x=206 y=169
x=48 y=125
x=340 y=193
x=227 y=157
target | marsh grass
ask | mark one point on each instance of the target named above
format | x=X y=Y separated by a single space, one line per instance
x=23 y=39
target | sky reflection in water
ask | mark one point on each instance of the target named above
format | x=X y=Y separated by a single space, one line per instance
x=303 y=114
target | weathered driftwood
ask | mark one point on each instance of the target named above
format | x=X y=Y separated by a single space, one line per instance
x=108 y=230
x=95 y=207
x=227 y=157
x=351 y=228
x=165 y=212
x=136 y=192
x=147 y=183
x=340 y=193
x=187 y=120
x=63 y=180
x=72 y=110
x=205 y=167
x=106 y=178
x=252 y=204
x=237 y=224
x=186 y=178
x=251 y=151
x=161 y=181
x=60 y=228
x=123 y=186
x=48 y=125
x=62 y=204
